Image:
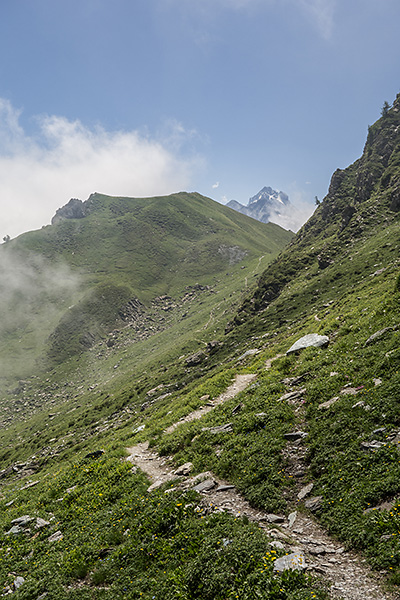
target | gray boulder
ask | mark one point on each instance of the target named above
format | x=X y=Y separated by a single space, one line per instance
x=311 y=340
x=294 y=561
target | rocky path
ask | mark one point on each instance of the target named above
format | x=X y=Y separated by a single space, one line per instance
x=241 y=382
x=348 y=574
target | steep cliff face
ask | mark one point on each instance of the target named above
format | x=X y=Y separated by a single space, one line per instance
x=362 y=201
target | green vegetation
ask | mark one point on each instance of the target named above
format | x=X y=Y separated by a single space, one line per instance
x=120 y=542
x=142 y=372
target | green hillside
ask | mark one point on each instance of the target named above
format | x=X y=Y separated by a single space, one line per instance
x=71 y=283
x=296 y=452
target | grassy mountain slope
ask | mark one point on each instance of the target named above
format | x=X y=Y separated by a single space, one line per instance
x=339 y=277
x=70 y=283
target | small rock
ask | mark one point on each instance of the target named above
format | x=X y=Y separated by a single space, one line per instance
x=311 y=340
x=313 y=504
x=328 y=403
x=140 y=428
x=377 y=335
x=374 y=445
x=41 y=523
x=295 y=435
x=15 y=530
x=316 y=550
x=271 y=518
x=305 y=491
x=377 y=382
x=299 y=473
x=292 y=518
x=205 y=486
x=295 y=562
x=293 y=395
x=29 y=485
x=277 y=545
x=56 y=537
x=379 y=431
x=156 y=484
x=361 y=404
x=18 y=581
x=227 y=428
x=184 y=469
x=225 y=488
x=351 y=391
x=195 y=359
x=153 y=391
x=22 y=521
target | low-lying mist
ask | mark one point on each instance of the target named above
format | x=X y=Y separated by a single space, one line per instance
x=34 y=293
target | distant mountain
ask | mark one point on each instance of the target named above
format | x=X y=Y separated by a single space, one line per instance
x=267 y=206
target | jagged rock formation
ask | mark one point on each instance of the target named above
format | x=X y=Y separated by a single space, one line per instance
x=74 y=209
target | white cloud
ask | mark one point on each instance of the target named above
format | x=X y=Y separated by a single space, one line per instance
x=67 y=159
x=215 y=185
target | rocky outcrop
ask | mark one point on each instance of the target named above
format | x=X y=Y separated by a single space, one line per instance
x=74 y=209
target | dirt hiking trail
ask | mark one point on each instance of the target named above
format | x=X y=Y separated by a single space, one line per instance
x=348 y=574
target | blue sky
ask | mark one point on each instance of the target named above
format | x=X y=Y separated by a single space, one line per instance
x=145 y=97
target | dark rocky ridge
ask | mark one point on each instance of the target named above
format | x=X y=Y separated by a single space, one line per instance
x=364 y=197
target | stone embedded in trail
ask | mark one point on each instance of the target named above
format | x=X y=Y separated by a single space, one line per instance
x=311 y=340
x=305 y=491
x=225 y=488
x=295 y=562
x=184 y=469
x=292 y=518
x=205 y=486
x=277 y=545
x=271 y=518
